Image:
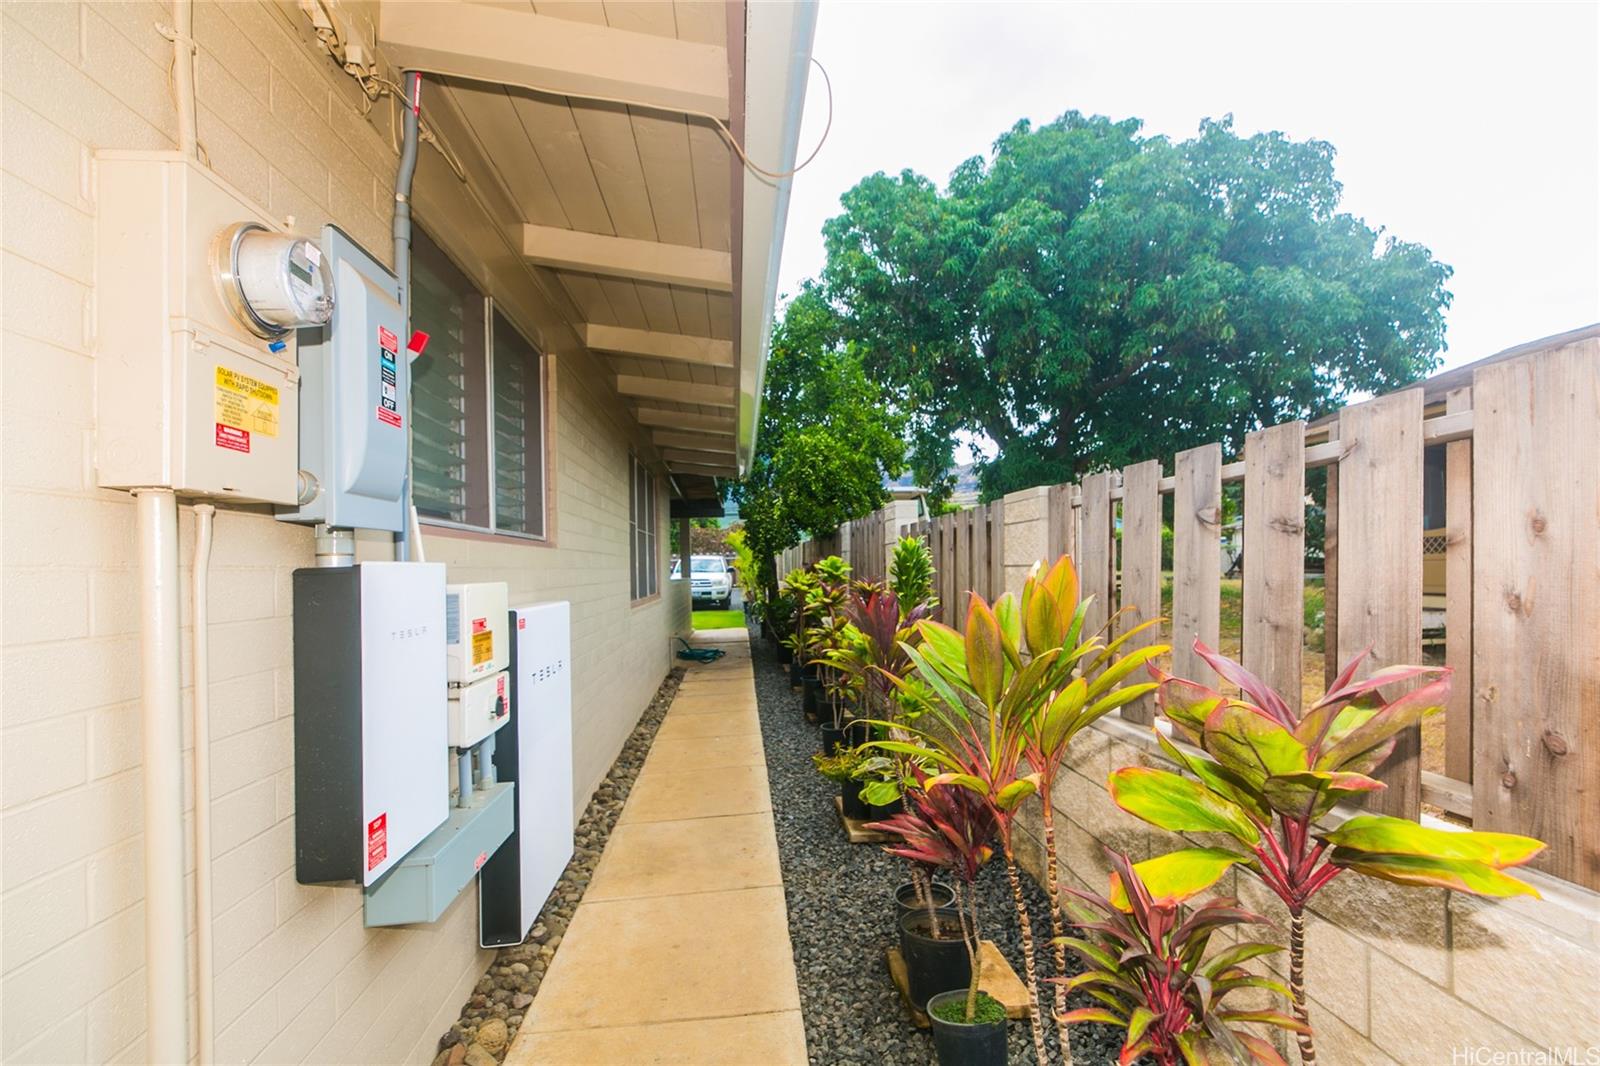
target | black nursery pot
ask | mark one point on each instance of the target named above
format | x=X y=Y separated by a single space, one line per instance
x=959 y=1044
x=784 y=655
x=857 y=733
x=831 y=738
x=810 y=695
x=905 y=898
x=887 y=810
x=934 y=966
x=766 y=631
x=794 y=670
x=854 y=805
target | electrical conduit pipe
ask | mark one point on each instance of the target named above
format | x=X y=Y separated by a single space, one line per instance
x=205 y=956
x=410 y=541
x=166 y=971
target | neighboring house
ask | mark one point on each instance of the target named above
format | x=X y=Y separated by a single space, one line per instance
x=597 y=280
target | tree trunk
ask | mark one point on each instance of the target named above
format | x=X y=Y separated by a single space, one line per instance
x=1297 y=984
x=1058 y=925
x=1030 y=971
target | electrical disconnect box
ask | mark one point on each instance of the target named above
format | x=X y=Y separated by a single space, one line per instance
x=196 y=295
x=478 y=709
x=370 y=776
x=534 y=750
x=354 y=384
x=475 y=631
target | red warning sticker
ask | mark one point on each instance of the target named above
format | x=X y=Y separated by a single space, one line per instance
x=386 y=416
x=387 y=339
x=522 y=623
x=377 y=841
x=480 y=624
x=233 y=438
x=483 y=857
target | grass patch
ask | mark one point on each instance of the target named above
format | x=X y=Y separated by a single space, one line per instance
x=719 y=619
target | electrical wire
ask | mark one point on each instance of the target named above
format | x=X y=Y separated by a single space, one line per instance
x=387 y=87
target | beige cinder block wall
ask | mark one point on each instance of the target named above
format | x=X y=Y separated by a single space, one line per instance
x=1397 y=975
x=299 y=978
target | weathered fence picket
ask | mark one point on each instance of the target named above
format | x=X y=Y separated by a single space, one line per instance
x=1380 y=548
x=1275 y=545
x=1196 y=556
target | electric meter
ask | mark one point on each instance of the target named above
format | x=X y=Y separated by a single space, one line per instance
x=272 y=282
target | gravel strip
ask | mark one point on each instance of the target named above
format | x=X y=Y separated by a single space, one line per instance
x=490 y=1018
x=841 y=910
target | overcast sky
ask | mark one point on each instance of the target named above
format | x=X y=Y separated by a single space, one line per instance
x=1471 y=128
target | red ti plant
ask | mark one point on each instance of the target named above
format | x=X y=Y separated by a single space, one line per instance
x=948 y=829
x=878 y=655
x=1143 y=951
x=1266 y=776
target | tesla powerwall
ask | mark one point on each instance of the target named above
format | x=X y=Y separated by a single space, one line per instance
x=534 y=750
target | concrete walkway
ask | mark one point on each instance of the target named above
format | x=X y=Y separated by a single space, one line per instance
x=679 y=951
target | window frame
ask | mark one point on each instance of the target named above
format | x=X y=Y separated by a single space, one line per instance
x=644 y=538
x=479 y=416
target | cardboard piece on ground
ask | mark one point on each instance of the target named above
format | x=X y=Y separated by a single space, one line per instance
x=999 y=980
x=855 y=829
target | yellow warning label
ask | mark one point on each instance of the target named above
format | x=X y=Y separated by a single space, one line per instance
x=245 y=403
x=482 y=647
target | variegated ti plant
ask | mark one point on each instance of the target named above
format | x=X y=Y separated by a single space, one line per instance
x=1266 y=776
x=1001 y=724
x=949 y=829
x=1144 y=956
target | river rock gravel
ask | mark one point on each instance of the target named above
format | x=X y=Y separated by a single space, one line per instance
x=841 y=910
x=490 y=1017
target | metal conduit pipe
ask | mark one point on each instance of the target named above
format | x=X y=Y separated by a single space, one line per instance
x=464 y=777
x=411 y=120
x=166 y=972
x=205 y=955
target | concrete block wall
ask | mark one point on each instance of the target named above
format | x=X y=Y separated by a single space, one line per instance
x=1400 y=975
x=299 y=978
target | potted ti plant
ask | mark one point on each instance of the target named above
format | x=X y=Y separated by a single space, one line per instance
x=1266 y=776
x=1144 y=956
x=840 y=766
x=992 y=711
x=949 y=829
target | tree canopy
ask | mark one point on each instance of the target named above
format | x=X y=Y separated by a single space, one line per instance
x=826 y=441
x=1090 y=297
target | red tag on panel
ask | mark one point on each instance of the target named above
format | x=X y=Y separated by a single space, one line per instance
x=522 y=623
x=480 y=625
x=377 y=841
x=387 y=339
x=387 y=417
x=418 y=341
x=233 y=439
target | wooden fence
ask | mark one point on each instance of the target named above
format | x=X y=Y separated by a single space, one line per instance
x=868 y=561
x=968 y=554
x=1520 y=437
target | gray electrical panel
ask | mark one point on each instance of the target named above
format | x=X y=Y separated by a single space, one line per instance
x=355 y=383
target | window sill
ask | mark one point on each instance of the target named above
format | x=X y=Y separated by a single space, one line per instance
x=654 y=597
x=431 y=528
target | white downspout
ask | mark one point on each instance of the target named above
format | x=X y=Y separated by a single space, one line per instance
x=205 y=957
x=166 y=972
x=183 y=76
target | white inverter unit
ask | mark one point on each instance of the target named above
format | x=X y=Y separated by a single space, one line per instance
x=534 y=750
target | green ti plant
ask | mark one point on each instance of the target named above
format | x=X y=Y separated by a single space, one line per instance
x=744 y=561
x=991 y=710
x=911 y=574
x=1143 y=950
x=952 y=830
x=797 y=590
x=1266 y=776
x=828 y=631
